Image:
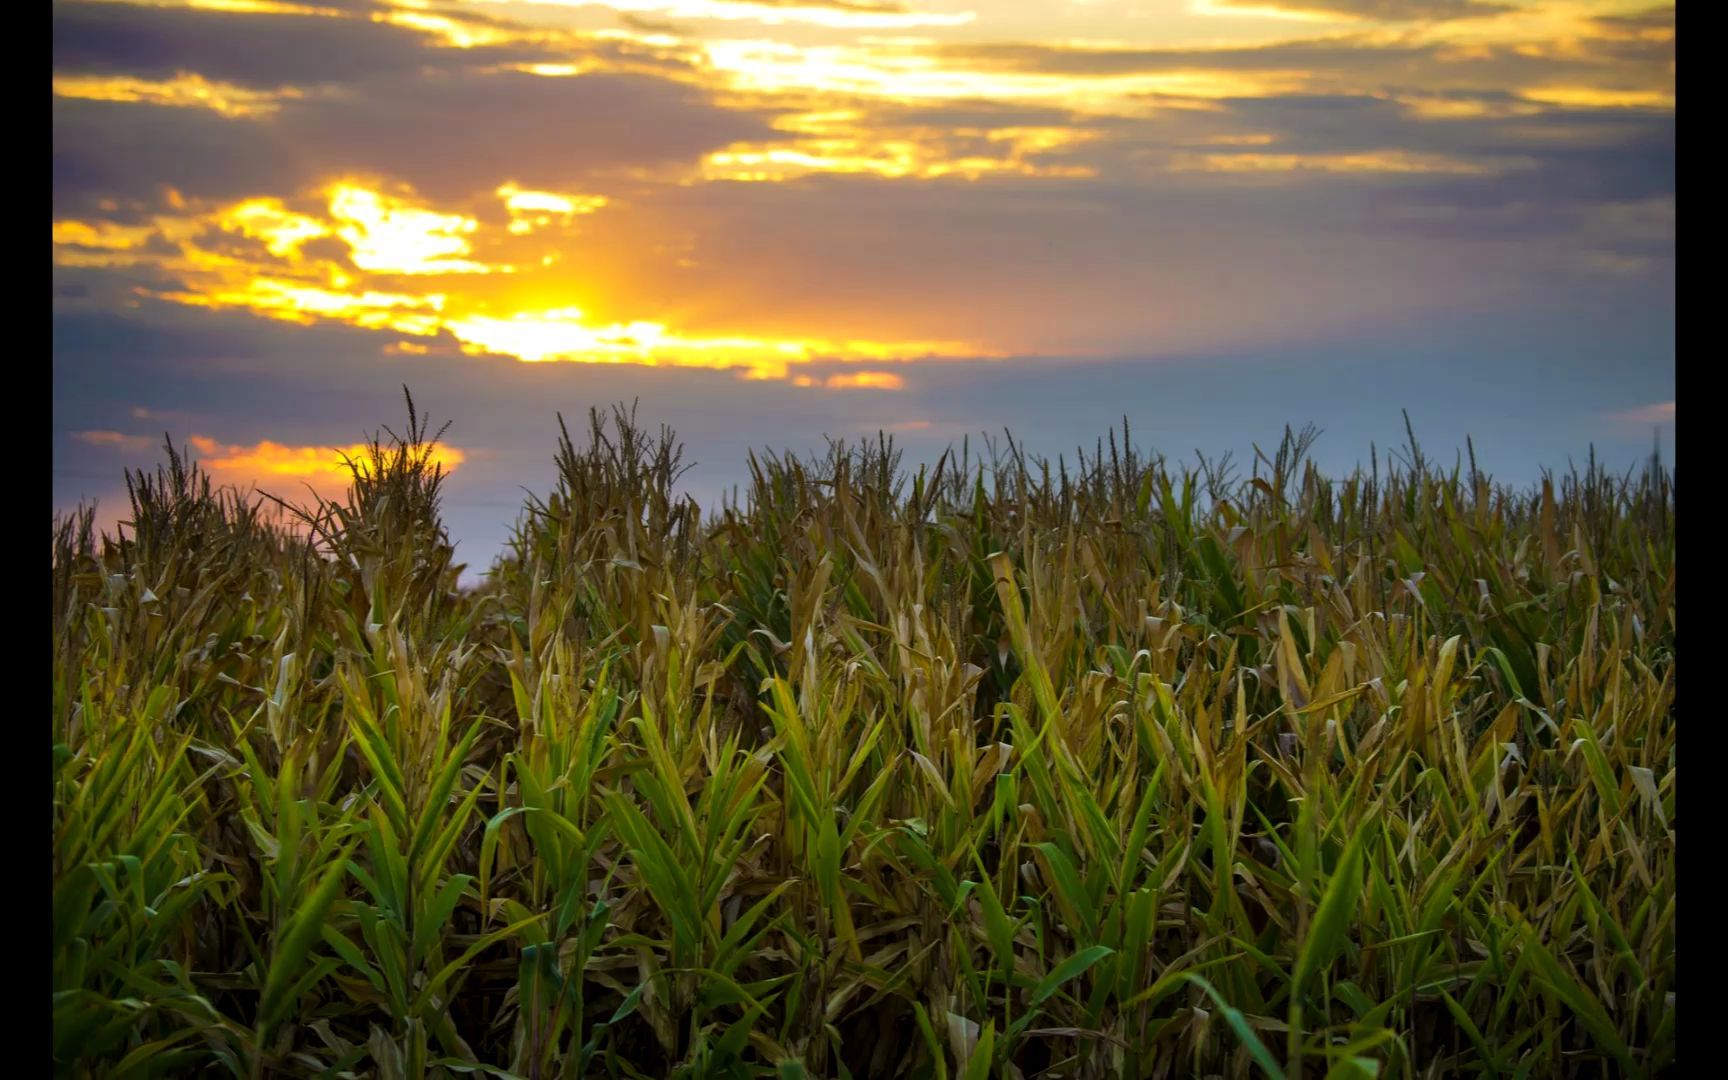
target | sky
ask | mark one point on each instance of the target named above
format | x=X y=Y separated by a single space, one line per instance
x=769 y=222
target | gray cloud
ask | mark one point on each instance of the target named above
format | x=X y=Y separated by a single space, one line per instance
x=449 y=138
x=128 y=151
x=469 y=130
x=1656 y=18
x=379 y=98
x=254 y=50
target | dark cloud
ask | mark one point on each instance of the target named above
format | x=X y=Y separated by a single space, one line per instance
x=1656 y=18
x=429 y=116
x=254 y=50
x=378 y=98
x=127 y=152
x=1544 y=167
x=1572 y=162
x=966 y=114
x=468 y=131
x=449 y=137
x=1626 y=152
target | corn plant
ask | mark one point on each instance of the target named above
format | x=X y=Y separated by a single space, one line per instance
x=1113 y=765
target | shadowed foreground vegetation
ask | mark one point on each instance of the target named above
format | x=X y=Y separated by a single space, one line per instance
x=1102 y=768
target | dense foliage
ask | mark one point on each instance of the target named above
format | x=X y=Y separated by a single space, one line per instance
x=1005 y=768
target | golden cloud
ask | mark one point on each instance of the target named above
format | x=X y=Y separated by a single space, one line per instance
x=551 y=278
x=842 y=142
x=530 y=210
x=862 y=380
x=187 y=90
x=394 y=243
x=565 y=334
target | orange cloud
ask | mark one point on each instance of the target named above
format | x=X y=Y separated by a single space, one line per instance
x=267 y=465
x=265 y=460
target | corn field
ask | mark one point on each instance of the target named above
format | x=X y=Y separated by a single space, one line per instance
x=1109 y=766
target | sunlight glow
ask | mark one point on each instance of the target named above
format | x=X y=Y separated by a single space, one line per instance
x=530 y=261
x=530 y=210
x=268 y=464
x=563 y=334
x=391 y=236
x=281 y=230
x=397 y=239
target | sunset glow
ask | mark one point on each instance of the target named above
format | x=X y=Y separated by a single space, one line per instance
x=267 y=459
x=395 y=238
x=852 y=207
x=269 y=466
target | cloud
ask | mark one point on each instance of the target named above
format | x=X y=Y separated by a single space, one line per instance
x=831 y=14
x=1378 y=10
x=444 y=118
x=259 y=256
x=185 y=90
x=135 y=444
x=220 y=103
x=107 y=151
x=279 y=468
x=1654 y=23
x=1355 y=62
x=265 y=463
x=263 y=51
x=455 y=136
x=861 y=380
x=1661 y=412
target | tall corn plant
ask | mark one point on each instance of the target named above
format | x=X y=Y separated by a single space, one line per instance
x=1103 y=766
